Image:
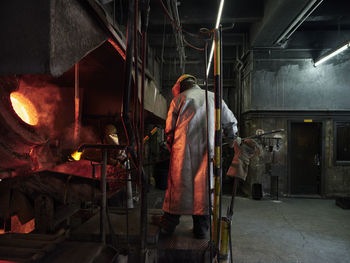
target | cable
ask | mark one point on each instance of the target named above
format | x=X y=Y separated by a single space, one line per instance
x=230 y=243
x=175 y=24
x=192 y=46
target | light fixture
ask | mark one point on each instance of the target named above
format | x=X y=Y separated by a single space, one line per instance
x=296 y=23
x=218 y=19
x=331 y=54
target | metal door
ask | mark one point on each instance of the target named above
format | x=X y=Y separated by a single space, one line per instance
x=305 y=154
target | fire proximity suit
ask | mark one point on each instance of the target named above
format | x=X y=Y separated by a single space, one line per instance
x=187 y=192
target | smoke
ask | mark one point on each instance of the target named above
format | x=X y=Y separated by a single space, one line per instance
x=87 y=134
x=46 y=98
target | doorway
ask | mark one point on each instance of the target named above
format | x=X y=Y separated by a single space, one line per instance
x=305 y=158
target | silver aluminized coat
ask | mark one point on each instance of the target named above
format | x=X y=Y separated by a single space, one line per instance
x=187 y=192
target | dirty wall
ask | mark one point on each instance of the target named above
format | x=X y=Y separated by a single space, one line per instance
x=277 y=91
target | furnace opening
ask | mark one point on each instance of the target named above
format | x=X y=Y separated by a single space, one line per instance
x=24 y=108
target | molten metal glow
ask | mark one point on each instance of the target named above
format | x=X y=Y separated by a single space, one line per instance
x=76 y=155
x=24 y=108
x=18 y=227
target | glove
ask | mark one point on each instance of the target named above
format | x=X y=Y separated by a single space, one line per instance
x=239 y=140
x=231 y=141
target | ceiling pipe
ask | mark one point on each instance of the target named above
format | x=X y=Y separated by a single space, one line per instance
x=304 y=14
x=173 y=10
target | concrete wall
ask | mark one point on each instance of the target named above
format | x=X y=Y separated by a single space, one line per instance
x=335 y=178
x=276 y=91
x=287 y=84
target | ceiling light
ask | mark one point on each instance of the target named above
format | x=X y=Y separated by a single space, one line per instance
x=221 y=6
x=218 y=19
x=331 y=54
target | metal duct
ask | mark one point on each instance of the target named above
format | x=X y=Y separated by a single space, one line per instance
x=46 y=36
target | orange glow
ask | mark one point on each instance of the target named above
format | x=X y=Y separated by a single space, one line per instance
x=118 y=48
x=76 y=155
x=24 y=108
x=17 y=227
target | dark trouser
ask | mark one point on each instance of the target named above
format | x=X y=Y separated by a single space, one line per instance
x=200 y=223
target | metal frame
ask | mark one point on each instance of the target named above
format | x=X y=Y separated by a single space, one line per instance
x=334 y=156
x=323 y=151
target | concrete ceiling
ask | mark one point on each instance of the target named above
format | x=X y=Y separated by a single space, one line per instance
x=257 y=24
x=315 y=27
x=262 y=21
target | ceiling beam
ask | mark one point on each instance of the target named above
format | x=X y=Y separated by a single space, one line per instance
x=228 y=39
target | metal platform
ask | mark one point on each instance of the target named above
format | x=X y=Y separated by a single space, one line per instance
x=84 y=252
x=28 y=247
x=181 y=246
x=125 y=232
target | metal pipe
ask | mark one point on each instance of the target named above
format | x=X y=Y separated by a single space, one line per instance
x=208 y=153
x=220 y=139
x=144 y=179
x=103 y=197
x=101 y=146
x=312 y=5
x=127 y=79
x=136 y=71
x=77 y=104
x=224 y=245
x=129 y=200
x=93 y=188
x=239 y=67
x=227 y=225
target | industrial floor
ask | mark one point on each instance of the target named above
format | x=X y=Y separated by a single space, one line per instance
x=291 y=230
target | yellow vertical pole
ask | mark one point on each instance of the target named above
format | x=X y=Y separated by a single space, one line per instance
x=218 y=140
x=225 y=232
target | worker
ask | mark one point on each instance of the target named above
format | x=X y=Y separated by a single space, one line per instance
x=115 y=157
x=110 y=136
x=187 y=192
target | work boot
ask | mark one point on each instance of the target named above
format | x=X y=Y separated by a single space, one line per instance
x=166 y=222
x=200 y=226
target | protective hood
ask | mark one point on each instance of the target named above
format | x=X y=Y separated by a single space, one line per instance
x=186 y=130
x=176 y=90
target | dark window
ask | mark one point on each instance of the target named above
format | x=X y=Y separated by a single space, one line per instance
x=342 y=143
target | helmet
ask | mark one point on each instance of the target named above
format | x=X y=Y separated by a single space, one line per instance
x=109 y=129
x=177 y=87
